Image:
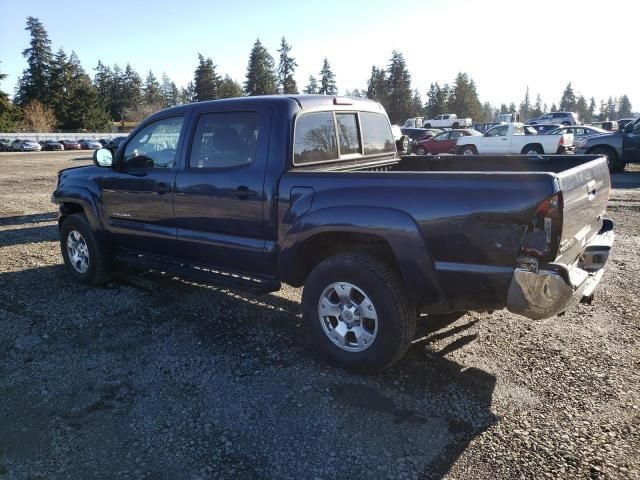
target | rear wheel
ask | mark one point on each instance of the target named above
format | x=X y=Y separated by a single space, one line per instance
x=532 y=150
x=85 y=258
x=357 y=312
x=469 y=150
x=455 y=125
x=427 y=125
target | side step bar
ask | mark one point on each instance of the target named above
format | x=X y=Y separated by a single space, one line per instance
x=202 y=274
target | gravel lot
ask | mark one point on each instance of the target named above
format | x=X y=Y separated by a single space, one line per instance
x=157 y=378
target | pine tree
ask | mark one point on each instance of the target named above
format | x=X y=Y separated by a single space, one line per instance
x=169 y=91
x=464 y=100
x=624 y=107
x=117 y=104
x=85 y=110
x=327 y=80
x=206 y=81
x=512 y=108
x=261 y=78
x=229 y=88
x=568 y=100
x=378 y=86
x=188 y=94
x=151 y=91
x=286 y=68
x=553 y=108
x=438 y=100
x=131 y=89
x=488 y=113
x=581 y=109
x=416 y=109
x=503 y=108
x=610 y=109
x=8 y=112
x=60 y=82
x=356 y=93
x=312 y=86
x=591 y=111
x=34 y=82
x=537 y=109
x=399 y=106
x=103 y=81
x=525 y=106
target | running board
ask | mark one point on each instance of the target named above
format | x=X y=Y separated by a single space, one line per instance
x=203 y=274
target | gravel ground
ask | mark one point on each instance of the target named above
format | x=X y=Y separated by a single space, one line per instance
x=157 y=378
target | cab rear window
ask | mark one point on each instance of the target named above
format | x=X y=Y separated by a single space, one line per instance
x=376 y=134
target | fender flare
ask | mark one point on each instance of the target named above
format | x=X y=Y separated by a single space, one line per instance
x=395 y=227
x=86 y=199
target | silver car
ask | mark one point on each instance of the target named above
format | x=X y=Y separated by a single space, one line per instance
x=563 y=118
x=579 y=131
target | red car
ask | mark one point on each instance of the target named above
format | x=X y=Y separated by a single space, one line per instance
x=70 y=145
x=444 y=142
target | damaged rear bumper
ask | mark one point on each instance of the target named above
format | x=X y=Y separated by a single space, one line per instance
x=556 y=288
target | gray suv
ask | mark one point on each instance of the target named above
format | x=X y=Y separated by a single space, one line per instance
x=563 y=118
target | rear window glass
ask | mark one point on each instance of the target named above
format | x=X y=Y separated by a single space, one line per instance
x=376 y=134
x=315 y=138
x=348 y=133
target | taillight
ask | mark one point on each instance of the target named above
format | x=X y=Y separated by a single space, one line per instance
x=542 y=237
x=561 y=140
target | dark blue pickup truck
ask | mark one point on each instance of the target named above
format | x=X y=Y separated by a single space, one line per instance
x=310 y=191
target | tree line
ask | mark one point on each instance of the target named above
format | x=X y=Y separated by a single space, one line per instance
x=55 y=92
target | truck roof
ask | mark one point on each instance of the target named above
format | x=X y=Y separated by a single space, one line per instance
x=303 y=102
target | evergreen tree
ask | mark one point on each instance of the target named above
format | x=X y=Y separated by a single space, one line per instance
x=438 y=100
x=206 y=80
x=488 y=113
x=525 y=106
x=327 y=80
x=117 y=105
x=286 y=68
x=169 y=91
x=8 y=112
x=504 y=108
x=512 y=108
x=85 y=110
x=229 y=88
x=151 y=91
x=103 y=81
x=60 y=84
x=624 y=107
x=568 y=100
x=312 y=86
x=537 y=109
x=591 y=111
x=34 y=82
x=378 y=86
x=400 y=96
x=582 y=110
x=188 y=94
x=610 y=109
x=416 y=109
x=261 y=78
x=131 y=89
x=553 y=108
x=464 y=100
x=356 y=93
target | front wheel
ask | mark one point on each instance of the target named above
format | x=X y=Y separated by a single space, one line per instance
x=427 y=125
x=357 y=312
x=85 y=258
x=615 y=166
x=421 y=150
x=455 y=125
x=532 y=150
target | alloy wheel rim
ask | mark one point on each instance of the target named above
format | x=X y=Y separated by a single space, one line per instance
x=348 y=317
x=77 y=251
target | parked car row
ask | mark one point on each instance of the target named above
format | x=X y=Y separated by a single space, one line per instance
x=19 y=145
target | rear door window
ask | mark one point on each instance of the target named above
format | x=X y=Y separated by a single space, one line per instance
x=376 y=134
x=315 y=138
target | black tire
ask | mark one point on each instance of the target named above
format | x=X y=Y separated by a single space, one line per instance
x=427 y=125
x=455 y=125
x=420 y=150
x=469 y=149
x=396 y=313
x=532 y=150
x=100 y=268
x=566 y=124
x=615 y=165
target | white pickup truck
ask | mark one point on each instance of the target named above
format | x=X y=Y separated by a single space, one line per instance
x=514 y=139
x=447 y=120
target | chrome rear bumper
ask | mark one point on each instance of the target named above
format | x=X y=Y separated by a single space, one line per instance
x=558 y=287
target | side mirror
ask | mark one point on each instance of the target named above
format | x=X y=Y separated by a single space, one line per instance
x=103 y=158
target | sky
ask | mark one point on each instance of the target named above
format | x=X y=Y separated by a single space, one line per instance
x=504 y=45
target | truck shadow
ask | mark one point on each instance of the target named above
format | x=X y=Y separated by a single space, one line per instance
x=625 y=180
x=249 y=354
x=21 y=236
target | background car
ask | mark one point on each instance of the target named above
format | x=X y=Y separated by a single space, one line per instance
x=5 y=145
x=562 y=118
x=89 y=144
x=402 y=141
x=114 y=143
x=70 y=145
x=623 y=122
x=609 y=125
x=52 y=145
x=444 y=142
x=579 y=131
x=541 y=129
x=417 y=134
x=483 y=127
x=25 y=146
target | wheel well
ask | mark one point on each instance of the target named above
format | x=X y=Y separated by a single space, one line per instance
x=528 y=145
x=608 y=148
x=66 y=209
x=325 y=245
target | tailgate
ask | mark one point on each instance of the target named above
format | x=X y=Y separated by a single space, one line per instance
x=585 y=193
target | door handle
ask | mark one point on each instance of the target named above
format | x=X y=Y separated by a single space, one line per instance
x=162 y=188
x=243 y=192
